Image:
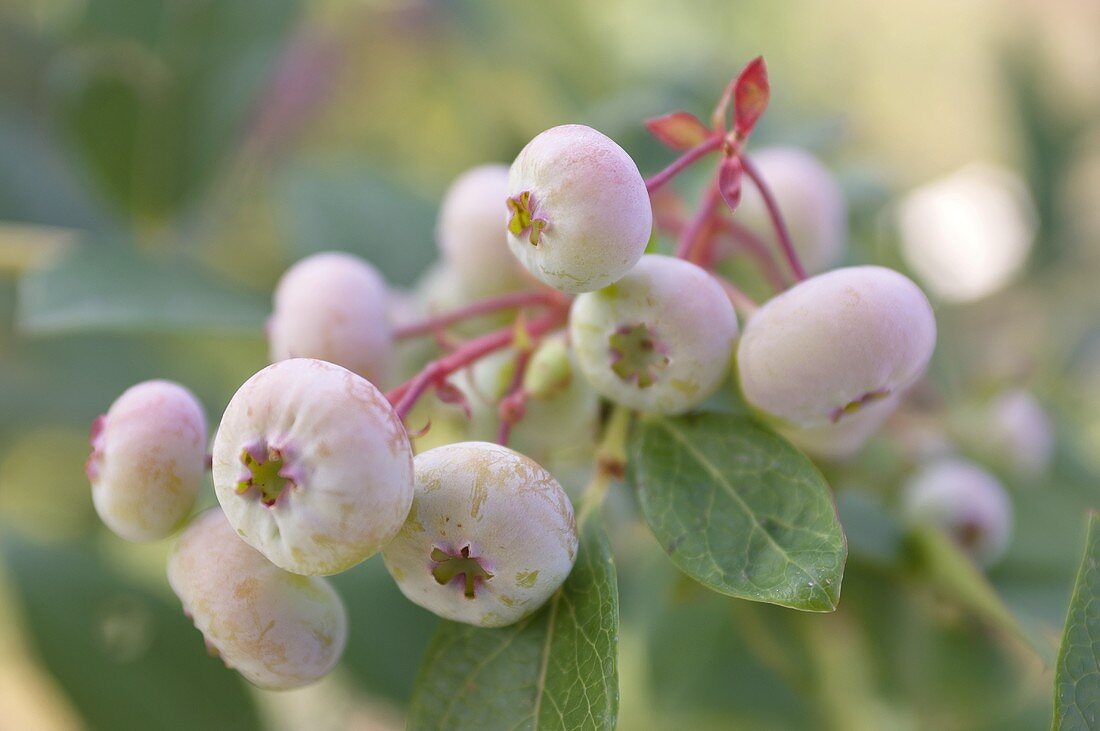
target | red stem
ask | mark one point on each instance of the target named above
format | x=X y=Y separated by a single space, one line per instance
x=515 y=387
x=481 y=307
x=699 y=221
x=776 y=217
x=709 y=145
x=405 y=396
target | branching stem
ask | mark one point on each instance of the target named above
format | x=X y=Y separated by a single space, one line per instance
x=487 y=306
x=776 y=216
x=610 y=461
x=699 y=222
x=405 y=396
x=681 y=163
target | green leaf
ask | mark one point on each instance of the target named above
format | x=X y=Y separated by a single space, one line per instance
x=37 y=183
x=157 y=98
x=126 y=657
x=739 y=509
x=99 y=287
x=1077 y=683
x=556 y=669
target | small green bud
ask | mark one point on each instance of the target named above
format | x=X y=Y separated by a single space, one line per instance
x=550 y=370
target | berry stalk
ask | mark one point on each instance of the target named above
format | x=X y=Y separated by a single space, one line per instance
x=487 y=306
x=405 y=396
x=512 y=405
x=699 y=222
x=610 y=462
x=776 y=217
x=683 y=162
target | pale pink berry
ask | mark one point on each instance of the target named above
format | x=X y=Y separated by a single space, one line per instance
x=1020 y=431
x=148 y=459
x=312 y=466
x=491 y=535
x=659 y=339
x=827 y=360
x=334 y=306
x=579 y=215
x=964 y=500
x=471 y=234
x=277 y=629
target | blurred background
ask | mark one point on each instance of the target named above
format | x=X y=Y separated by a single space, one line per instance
x=162 y=161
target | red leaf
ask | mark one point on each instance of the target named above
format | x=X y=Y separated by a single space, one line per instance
x=678 y=130
x=729 y=182
x=750 y=96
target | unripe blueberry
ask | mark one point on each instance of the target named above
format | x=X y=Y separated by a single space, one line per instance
x=148 y=459
x=312 y=466
x=490 y=537
x=471 y=234
x=964 y=500
x=333 y=306
x=811 y=200
x=277 y=629
x=827 y=359
x=550 y=370
x=579 y=212
x=657 y=340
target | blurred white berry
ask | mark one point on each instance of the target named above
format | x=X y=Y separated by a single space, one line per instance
x=277 y=629
x=1021 y=431
x=334 y=306
x=967 y=235
x=148 y=459
x=472 y=234
x=966 y=502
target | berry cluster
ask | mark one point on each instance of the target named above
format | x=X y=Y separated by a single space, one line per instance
x=313 y=466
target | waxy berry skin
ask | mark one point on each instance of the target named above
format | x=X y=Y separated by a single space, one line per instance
x=827 y=360
x=490 y=537
x=334 y=306
x=811 y=200
x=659 y=339
x=471 y=234
x=579 y=215
x=965 y=501
x=312 y=466
x=277 y=629
x=148 y=459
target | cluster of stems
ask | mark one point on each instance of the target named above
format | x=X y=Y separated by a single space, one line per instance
x=698 y=241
